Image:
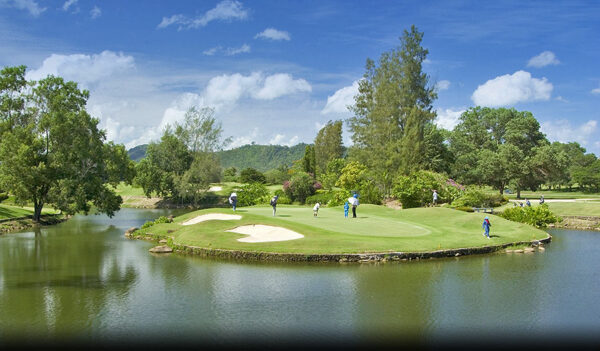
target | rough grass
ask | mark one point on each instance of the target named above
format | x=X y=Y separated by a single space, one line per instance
x=378 y=229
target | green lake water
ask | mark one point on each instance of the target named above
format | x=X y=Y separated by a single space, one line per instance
x=83 y=279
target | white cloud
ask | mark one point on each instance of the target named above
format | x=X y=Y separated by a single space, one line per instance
x=273 y=34
x=235 y=51
x=225 y=10
x=546 y=58
x=212 y=51
x=68 y=4
x=279 y=139
x=560 y=98
x=442 y=85
x=30 y=5
x=83 y=69
x=563 y=131
x=448 y=118
x=341 y=99
x=596 y=91
x=244 y=140
x=95 y=12
x=511 y=89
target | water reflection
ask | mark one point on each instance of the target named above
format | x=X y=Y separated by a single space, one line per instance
x=83 y=278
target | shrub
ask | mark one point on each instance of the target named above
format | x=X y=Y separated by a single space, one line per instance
x=538 y=216
x=251 y=175
x=416 y=189
x=338 y=197
x=3 y=196
x=282 y=199
x=299 y=187
x=322 y=197
x=474 y=197
x=161 y=219
x=369 y=192
x=252 y=194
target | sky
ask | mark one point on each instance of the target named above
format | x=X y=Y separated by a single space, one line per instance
x=276 y=71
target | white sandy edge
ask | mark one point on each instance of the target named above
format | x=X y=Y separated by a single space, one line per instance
x=215 y=188
x=264 y=233
x=210 y=217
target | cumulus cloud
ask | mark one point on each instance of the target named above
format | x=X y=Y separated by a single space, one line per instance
x=95 y=12
x=273 y=34
x=448 y=118
x=280 y=139
x=238 y=141
x=30 y=5
x=341 y=99
x=564 y=131
x=84 y=69
x=596 y=91
x=224 y=11
x=546 y=58
x=511 y=89
x=68 y=4
x=442 y=85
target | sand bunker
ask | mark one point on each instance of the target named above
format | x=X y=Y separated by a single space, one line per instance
x=263 y=233
x=210 y=217
x=215 y=188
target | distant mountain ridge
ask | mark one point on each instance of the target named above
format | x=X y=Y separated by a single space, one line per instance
x=260 y=157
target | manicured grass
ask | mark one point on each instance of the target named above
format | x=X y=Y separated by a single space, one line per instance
x=549 y=194
x=129 y=190
x=377 y=229
x=9 y=211
x=578 y=208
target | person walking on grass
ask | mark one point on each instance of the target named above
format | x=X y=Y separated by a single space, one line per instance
x=233 y=200
x=486 y=226
x=435 y=197
x=346 y=208
x=541 y=199
x=316 y=209
x=274 y=204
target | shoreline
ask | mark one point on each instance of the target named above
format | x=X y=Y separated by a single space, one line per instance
x=368 y=257
x=11 y=225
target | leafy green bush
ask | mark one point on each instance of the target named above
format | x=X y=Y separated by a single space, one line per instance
x=161 y=219
x=300 y=186
x=251 y=175
x=322 y=197
x=538 y=216
x=252 y=194
x=338 y=197
x=369 y=192
x=416 y=189
x=282 y=199
x=3 y=196
x=474 y=197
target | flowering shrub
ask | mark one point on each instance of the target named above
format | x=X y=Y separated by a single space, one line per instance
x=538 y=216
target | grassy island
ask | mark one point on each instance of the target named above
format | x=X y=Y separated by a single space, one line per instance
x=377 y=229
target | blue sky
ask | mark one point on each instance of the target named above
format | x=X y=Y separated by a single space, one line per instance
x=276 y=71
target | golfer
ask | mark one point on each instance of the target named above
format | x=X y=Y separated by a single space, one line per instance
x=316 y=209
x=435 y=197
x=542 y=199
x=274 y=204
x=233 y=200
x=346 y=208
x=486 y=226
x=354 y=202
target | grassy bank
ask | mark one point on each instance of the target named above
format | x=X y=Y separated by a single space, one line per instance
x=378 y=229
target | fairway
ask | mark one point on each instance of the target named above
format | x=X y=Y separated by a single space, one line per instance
x=377 y=229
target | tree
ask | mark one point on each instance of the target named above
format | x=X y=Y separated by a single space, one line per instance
x=308 y=161
x=58 y=155
x=251 y=175
x=334 y=171
x=200 y=131
x=13 y=98
x=393 y=105
x=300 y=186
x=328 y=145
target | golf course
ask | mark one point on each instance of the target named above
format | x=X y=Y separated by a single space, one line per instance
x=377 y=229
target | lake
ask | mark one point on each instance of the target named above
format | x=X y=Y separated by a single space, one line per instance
x=83 y=280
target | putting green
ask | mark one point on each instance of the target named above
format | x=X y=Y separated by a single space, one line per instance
x=377 y=229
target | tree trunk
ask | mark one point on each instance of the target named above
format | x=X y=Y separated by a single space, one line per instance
x=37 y=211
x=518 y=193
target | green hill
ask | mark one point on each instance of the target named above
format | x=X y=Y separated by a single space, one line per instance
x=137 y=153
x=261 y=157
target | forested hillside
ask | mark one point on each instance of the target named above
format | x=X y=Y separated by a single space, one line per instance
x=261 y=157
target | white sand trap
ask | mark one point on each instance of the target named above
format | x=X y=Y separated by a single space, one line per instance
x=210 y=217
x=215 y=188
x=263 y=233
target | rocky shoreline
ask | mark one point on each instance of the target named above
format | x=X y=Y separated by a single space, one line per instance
x=19 y=224
x=341 y=258
x=578 y=222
